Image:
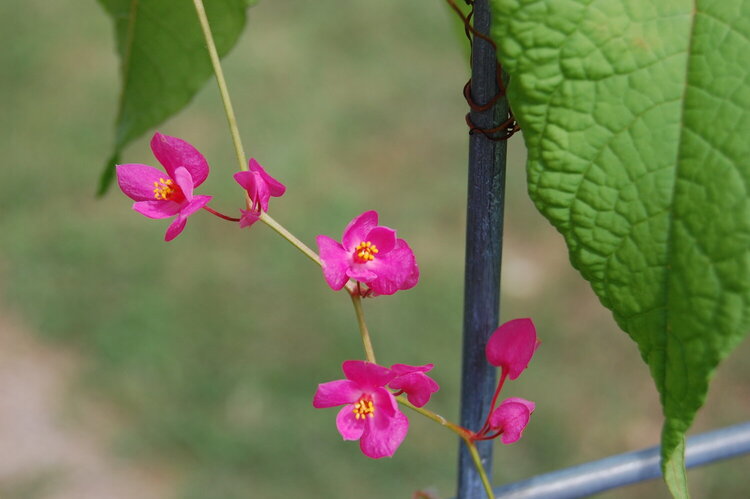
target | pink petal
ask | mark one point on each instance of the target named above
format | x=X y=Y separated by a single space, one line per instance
x=358 y=229
x=531 y=406
x=262 y=195
x=383 y=435
x=418 y=387
x=333 y=393
x=245 y=179
x=137 y=181
x=195 y=205
x=334 y=260
x=175 y=229
x=383 y=238
x=360 y=273
x=256 y=188
x=366 y=374
x=510 y=418
x=184 y=181
x=275 y=188
x=401 y=369
x=395 y=270
x=512 y=345
x=384 y=401
x=173 y=153
x=158 y=209
x=248 y=217
x=413 y=278
x=348 y=425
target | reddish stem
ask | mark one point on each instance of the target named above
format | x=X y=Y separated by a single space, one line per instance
x=487 y=437
x=486 y=426
x=220 y=215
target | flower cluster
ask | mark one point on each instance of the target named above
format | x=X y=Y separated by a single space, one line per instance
x=370 y=255
x=510 y=348
x=370 y=413
x=169 y=193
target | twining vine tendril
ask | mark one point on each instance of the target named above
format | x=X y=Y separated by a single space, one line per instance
x=508 y=127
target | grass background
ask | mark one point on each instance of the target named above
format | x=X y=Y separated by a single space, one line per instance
x=210 y=347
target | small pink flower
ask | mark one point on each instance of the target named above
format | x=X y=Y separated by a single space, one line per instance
x=260 y=186
x=160 y=195
x=512 y=345
x=413 y=381
x=510 y=418
x=369 y=253
x=370 y=413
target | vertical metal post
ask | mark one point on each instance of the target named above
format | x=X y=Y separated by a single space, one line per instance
x=484 y=230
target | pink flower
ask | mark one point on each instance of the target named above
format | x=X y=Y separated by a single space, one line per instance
x=369 y=253
x=370 y=413
x=512 y=345
x=160 y=195
x=510 y=418
x=260 y=186
x=413 y=381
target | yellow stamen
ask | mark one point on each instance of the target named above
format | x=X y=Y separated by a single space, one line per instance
x=163 y=189
x=365 y=251
x=363 y=408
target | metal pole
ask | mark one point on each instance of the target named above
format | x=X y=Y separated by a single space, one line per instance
x=484 y=229
x=625 y=469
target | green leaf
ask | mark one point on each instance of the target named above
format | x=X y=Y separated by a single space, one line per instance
x=635 y=115
x=164 y=60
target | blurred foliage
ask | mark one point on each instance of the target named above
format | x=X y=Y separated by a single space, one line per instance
x=163 y=60
x=210 y=347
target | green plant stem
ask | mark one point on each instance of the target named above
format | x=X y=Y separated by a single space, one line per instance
x=462 y=432
x=471 y=445
x=357 y=302
x=216 y=62
x=266 y=219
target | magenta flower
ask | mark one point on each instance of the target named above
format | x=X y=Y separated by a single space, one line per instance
x=369 y=253
x=370 y=413
x=160 y=195
x=512 y=345
x=413 y=381
x=260 y=186
x=510 y=418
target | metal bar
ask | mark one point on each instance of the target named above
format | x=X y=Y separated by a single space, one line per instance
x=629 y=468
x=484 y=229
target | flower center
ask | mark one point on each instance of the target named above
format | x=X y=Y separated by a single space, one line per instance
x=165 y=189
x=364 y=407
x=365 y=252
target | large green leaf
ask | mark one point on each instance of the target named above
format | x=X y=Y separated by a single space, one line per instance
x=164 y=60
x=636 y=117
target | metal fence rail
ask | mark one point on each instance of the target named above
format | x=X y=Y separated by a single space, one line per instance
x=625 y=469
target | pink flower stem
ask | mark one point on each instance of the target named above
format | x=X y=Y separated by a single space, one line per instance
x=487 y=437
x=500 y=384
x=220 y=215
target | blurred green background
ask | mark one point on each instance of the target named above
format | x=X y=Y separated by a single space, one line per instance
x=194 y=362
